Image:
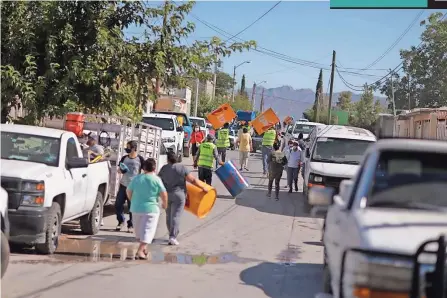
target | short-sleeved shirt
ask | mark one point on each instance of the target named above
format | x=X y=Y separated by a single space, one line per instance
x=134 y=165
x=245 y=141
x=174 y=177
x=98 y=149
x=146 y=189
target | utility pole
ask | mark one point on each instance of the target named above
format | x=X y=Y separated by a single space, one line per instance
x=317 y=106
x=196 y=103
x=262 y=101
x=409 y=93
x=392 y=95
x=162 y=41
x=253 y=91
x=331 y=89
x=234 y=83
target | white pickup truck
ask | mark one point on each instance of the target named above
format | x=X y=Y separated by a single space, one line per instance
x=379 y=221
x=5 y=231
x=49 y=183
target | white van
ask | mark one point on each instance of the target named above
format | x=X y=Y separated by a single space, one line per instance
x=201 y=123
x=334 y=155
x=305 y=127
x=172 y=132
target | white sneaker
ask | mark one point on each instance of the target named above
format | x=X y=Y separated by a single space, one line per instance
x=173 y=241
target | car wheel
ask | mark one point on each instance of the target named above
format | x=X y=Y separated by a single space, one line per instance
x=52 y=231
x=91 y=222
x=5 y=253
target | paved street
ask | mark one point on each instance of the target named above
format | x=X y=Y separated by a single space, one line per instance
x=248 y=247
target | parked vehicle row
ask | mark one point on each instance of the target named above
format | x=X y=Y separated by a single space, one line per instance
x=382 y=225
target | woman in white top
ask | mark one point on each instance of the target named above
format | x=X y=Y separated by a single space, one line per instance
x=293 y=165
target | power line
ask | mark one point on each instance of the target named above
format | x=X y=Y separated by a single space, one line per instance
x=254 y=22
x=413 y=22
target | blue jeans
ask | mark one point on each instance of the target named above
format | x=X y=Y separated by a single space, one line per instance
x=292 y=176
x=121 y=198
x=265 y=153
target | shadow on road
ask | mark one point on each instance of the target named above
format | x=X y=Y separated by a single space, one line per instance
x=289 y=204
x=284 y=280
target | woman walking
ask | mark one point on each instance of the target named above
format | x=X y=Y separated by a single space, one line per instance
x=145 y=191
x=174 y=177
x=197 y=137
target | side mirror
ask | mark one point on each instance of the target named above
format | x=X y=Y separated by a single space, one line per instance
x=321 y=196
x=307 y=153
x=180 y=128
x=77 y=162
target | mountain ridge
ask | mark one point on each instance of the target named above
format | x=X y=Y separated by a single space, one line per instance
x=288 y=101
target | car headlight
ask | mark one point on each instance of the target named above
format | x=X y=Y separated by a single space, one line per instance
x=32 y=200
x=168 y=140
x=367 y=276
x=315 y=178
x=33 y=186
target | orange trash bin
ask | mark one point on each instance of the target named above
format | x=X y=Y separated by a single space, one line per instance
x=74 y=122
x=199 y=202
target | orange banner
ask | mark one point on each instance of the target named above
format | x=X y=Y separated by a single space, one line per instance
x=288 y=120
x=221 y=115
x=264 y=121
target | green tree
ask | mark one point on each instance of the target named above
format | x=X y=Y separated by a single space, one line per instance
x=344 y=101
x=242 y=91
x=365 y=110
x=241 y=102
x=318 y=93
x=425 y=69
x=224 y=83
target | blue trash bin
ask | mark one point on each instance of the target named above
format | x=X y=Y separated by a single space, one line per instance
x=232 y=178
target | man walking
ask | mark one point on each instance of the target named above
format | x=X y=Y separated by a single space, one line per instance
x=267 y=144
x=223 y=142
x=129 y=166
x=204 y=160
x=293 y=165
x=245 y=145
x=276 y=162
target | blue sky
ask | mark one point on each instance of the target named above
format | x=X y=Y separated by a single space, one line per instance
x=308 y=31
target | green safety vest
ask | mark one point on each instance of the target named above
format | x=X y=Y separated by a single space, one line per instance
x=223 y=138
x=269 y=138
x=206 y=156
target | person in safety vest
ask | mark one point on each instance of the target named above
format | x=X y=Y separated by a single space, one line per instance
x=204 y=159
x=223 y=142
x=268 y=139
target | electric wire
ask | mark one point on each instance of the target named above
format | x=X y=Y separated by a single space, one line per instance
x=254 y=22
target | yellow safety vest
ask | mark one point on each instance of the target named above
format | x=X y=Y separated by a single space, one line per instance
x=269 y=138
x=206 y=156
x=223 y=140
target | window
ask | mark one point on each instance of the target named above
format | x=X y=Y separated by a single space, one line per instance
x=72 y=150
x=303 y=128
x=31 y=148
x=163 y=123
x=342 y=151
x=199 y=122
x=405 y=179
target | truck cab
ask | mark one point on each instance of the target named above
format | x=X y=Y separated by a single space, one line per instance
x=185 y=122
x=49 y=182
x=305 y=127
x=172 y=132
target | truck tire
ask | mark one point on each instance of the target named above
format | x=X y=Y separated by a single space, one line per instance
x=185 y=152
x=91 y=222
x=5 y=253
x=52 y=231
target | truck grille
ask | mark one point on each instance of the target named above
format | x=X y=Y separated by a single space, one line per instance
x=333 y=182
x=12 y=187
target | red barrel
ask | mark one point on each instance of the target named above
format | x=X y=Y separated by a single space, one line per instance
x=74 y=122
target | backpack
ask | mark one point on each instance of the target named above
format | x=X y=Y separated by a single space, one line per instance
x=279 y=158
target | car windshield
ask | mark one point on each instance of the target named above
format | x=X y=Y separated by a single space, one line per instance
x=163 y=123
x=303 y=128
x=199 y=122
x=343 y=151
x=410 y=180
x=32 y=148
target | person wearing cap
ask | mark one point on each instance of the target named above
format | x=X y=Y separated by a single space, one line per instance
x=93 y=147
x=293 y=155
x=268 y=139
x=206 y=154
x=129 y=166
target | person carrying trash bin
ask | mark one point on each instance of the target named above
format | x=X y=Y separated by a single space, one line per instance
x=223 y=142
x=204 y=160
x=268 y=139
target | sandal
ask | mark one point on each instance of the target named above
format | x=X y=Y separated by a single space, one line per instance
x=138 y=257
